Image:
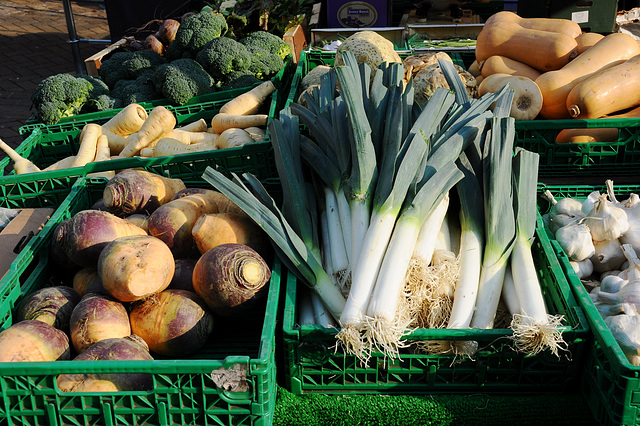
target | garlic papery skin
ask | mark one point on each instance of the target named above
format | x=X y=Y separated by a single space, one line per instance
x=593 y=294
x=608 y=255
x=589 y=203
x=608 y=310
x=606 y=221
x=568 y=206
x=632 y=271
x=632 y=205
x=632 y=235
x=576 y=241
x=563 y=219
x=611 y=193
x=626 y=330
x=612 y=283
x=583 y=268
x=630 y=293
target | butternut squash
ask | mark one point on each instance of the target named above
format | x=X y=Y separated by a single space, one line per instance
x=564 y=26
x=502 y=65
x=542 y=50
x=527 y=99
x=605 y=92
x=587 y=40
x=599 y=134
x=475 y=69
x=612 y=50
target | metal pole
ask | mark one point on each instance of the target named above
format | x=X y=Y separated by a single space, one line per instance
x=73 y=36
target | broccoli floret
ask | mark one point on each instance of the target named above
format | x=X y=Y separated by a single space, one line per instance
x=128 y=65
x=102 y=103
x=98 y=86
x=222 y=56
x=142 y=89
x=182 y=79
x=270 y=42
x=194 y=32
x=264 y=64
x=58 y=96
x=239 y=80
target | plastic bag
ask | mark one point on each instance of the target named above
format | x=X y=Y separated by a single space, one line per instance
x=6 y=215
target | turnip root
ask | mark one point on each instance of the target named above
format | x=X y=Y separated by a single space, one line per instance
x=233 y=138
x=87 y=280
x=88 y=144
x=160 y=122
x=172 y=322
x=183 y=276
x=33 y=341
x=134 y=267
x=52 y=305
x=97 y=317
x=173 y=221
x=126 y=348
x=189 y=191
x=222 y=121
x=138 y=191
x=84 y=236
x=57 y=255
x=249 y=102
x=127 y=121
x=140 y=220
x=214 y=229
x=230 y=277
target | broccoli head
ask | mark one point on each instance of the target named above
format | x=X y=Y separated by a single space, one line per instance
x=264 y=64
x=182 y=79
x=102 y=102
x=269 y=42
x=141 y=89
x=128 y=65
x=98 y=87
x=60 y=95
x=194 y=32
x=240 y=79
x=222 y=56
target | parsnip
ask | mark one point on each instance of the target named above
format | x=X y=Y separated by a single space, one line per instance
x=21 y=165
x=160 y=122
x=88 y=144
x=223 y=121
x=248 y=102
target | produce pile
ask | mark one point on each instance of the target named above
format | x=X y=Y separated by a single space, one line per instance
x=601 y=238
x=145 y=272
x=559 y=72
x=401 y=215
x=135 y=132
x=183 y=59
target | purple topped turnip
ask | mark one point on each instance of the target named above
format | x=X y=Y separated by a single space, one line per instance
x=52 y=305
x=33 y=341
x=97 y=317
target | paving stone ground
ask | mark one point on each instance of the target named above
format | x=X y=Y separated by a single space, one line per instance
x=34 y=44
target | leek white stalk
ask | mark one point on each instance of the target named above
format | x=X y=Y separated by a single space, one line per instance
x=534 y=330
x=429 y=232
x=304 y=307
x=509 y=295
x=499 y=219
x=320 y=314
x=339 y=257
x=471 y=247
x=382 y=330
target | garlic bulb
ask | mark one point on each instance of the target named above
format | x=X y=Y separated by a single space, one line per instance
x=611 y=193
x=593 y=294
x=626 y=330
x=629 y=293
x=632 y=272
x=583 y=268
x=569 y=206
x=589 y=202
x=606 y=221
x=612 y=283
x=575 y=240
x=562 y=219
x=608 y=255
x=607 y=273
x=632 y=235
x=608 y=310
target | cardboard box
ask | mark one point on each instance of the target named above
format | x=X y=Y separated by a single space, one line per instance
x=358 y=14
x=18 y=232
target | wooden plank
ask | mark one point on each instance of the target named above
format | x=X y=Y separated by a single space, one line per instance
x=297 y=40
x=92 y=63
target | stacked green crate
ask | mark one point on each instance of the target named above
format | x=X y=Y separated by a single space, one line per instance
x=184 y=391
x=313 y=364
x=610 y=383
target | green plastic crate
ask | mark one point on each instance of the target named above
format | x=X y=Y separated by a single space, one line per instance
x=102 y=116
x=610 y=384
x=606 y=159
x=183 y=393
x=312 y=363
x=593 y=16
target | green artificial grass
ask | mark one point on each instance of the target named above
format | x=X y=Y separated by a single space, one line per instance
x=383 y=410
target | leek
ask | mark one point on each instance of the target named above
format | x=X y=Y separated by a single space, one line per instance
x=533 y=329
x=499 y=219
x=471 y=246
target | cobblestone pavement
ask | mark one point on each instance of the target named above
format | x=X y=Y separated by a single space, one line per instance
x=34 y=44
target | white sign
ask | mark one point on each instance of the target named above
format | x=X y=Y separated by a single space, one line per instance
x=580 y=17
